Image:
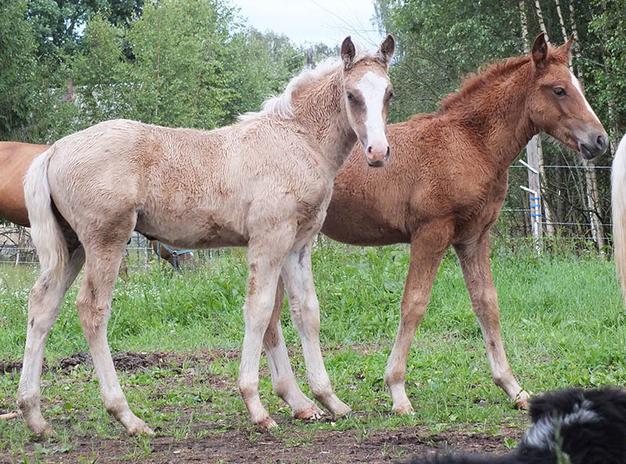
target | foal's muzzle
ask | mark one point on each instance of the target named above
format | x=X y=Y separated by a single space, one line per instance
x=594 y=145
x=377 y=158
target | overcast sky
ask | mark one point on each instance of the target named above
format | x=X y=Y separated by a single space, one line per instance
x=312 y=21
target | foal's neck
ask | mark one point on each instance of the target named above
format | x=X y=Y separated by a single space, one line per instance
x=321 y=110
x=499 y=114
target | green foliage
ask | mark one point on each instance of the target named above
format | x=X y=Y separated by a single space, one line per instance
x=261 y=64
x=180 y=76
x=58 y=23
x=19 y=71
x=99 y=72
x=189 y=63
x=440 y=42
x=608 y=76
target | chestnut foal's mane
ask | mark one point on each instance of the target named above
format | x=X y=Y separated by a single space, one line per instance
x=489 y=74
x=477 y=81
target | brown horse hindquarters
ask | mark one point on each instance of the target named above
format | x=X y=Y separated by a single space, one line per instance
x=15 y=159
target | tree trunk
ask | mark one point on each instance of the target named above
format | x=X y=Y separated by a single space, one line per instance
x=542 y=24
x=532 y=151
x=524 y=24
x=591 y=181
x=562 y=23
x=535 y=147
x=613 y=129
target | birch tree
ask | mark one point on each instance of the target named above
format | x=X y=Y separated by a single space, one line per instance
x=534 y=149
x=591 y=180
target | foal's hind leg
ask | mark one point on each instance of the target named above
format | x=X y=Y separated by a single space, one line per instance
x=474 y=258
x=305 y=311
x=94 y=308
x=43 y=309
x=283 y=379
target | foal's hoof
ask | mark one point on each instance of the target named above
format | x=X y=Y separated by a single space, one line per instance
x=404 y=410
x=41 y=431
x=342 y=410
x=267 y=424
x=140 y=429
x=312 y=413
x=521 y=400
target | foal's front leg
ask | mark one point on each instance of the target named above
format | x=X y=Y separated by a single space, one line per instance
x=305 y=312
x=426 y=252
x=474 y=258
x=266 y=252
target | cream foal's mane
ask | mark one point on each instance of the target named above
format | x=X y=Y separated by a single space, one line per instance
x=280 y=105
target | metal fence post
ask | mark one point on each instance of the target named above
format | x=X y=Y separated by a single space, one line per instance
x=534 y=191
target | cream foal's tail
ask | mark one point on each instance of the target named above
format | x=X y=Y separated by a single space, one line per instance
x=618 y=201
x=44 y=227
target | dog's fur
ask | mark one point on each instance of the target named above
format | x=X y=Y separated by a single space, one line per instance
x=584 y=426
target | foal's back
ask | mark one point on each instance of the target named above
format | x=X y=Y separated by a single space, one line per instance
x=187 y=187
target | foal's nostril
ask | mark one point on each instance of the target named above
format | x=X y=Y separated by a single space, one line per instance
x=369 y=149
x=388 y=152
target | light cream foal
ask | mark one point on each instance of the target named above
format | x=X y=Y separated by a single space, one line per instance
x=264 y=182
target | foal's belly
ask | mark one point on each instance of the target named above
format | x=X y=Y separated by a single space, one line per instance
x=192 y=228
x=355 y=224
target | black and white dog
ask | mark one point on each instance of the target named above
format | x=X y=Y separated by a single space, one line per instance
x=572 y=426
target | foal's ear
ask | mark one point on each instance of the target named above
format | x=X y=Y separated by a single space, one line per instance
x=540 y=51
x=566 y=48
x=348 y=52
x=385 y=52
x=564 y=52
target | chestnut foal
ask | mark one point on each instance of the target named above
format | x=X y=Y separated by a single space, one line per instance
x=446 y=183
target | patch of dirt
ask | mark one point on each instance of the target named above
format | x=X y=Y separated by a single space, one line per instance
x=9 y=367
x=125 y=361
x=128 y=361
x=241 y=446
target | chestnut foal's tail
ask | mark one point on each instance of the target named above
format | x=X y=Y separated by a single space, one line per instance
x=44 y=227
x=618 y=200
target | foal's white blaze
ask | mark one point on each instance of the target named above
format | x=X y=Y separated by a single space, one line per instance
x=578 y=87
x=373 y=87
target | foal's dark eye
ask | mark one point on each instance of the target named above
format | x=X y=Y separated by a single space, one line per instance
x=350 y=96
x=560 y=91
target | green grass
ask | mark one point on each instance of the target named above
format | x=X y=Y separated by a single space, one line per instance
x=563 y=324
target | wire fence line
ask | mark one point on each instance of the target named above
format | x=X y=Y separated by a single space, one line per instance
x=567 y=201
x=517 y=215
x=16 y=248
